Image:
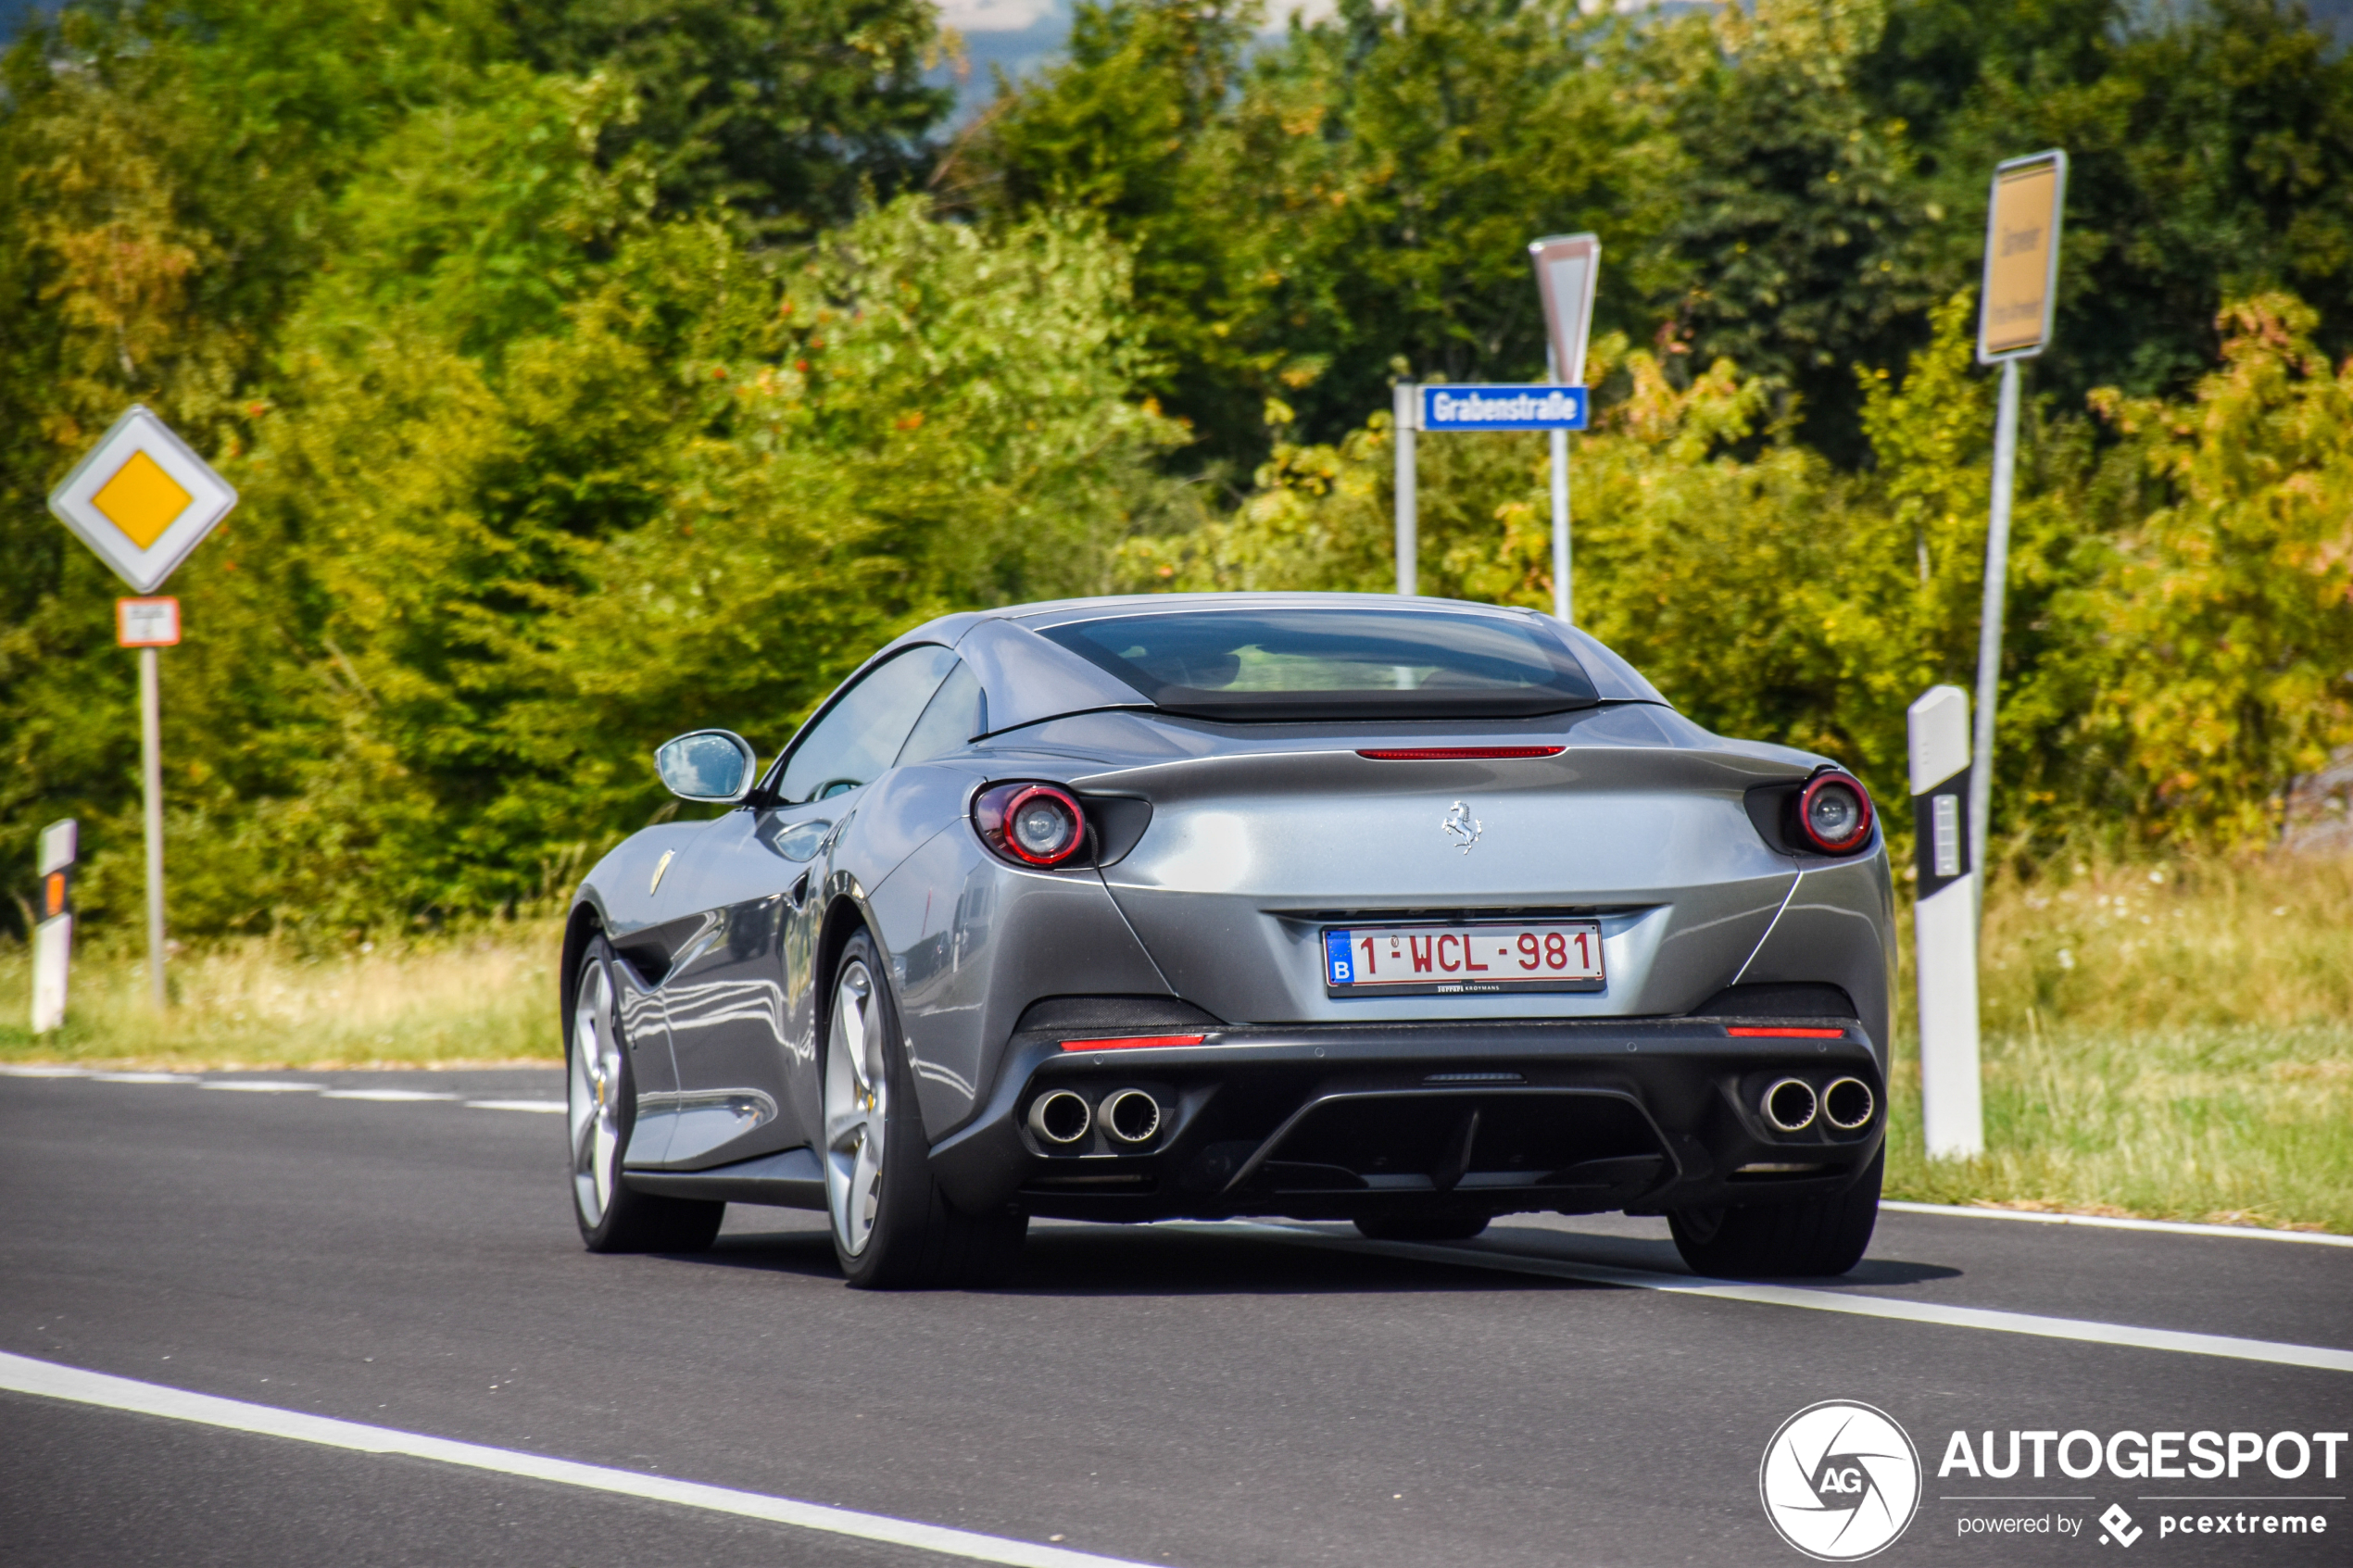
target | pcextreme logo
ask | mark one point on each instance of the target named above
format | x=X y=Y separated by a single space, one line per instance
x=1840 y=1481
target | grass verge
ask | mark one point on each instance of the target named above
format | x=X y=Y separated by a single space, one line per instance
x=2172 y=1041
x=482 y=997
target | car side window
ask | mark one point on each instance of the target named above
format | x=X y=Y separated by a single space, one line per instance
x=958 y=712
x=861 y=733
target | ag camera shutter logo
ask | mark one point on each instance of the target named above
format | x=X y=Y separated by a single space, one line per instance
x=1840 y=1481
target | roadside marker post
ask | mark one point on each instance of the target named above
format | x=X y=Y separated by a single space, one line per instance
x=53 y=929
x=1945 y=913
x=2016 y=304
x=1567 y=265
x=142 y=501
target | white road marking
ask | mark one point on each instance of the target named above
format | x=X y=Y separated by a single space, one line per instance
x=1476 y=1255
x=143 y=1078
x=2171 y=1227
x=514 y=1105
x=389 y=1095
x=262 y=1085
x=22 y=1375
x=39 y=1071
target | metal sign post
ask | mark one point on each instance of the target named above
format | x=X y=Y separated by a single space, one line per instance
x=53 y=932
x=1567 y=268
x=1945 y=924
x=2014 y=322
x=148 y=624
x=142 y=500
x=1405 y=404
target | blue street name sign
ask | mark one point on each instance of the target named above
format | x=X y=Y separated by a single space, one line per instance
x=1540 y=406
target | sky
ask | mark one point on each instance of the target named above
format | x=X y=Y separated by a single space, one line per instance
x=1021 y=35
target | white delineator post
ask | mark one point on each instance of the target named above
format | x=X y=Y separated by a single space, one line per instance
x=1406 y=408
x=1945 y=924
x=53 y=932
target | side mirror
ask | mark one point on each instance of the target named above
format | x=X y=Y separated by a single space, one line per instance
x=714 y=766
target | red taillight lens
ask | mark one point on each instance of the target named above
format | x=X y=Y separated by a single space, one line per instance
x=1030 y=825
x=1834 y=814
x=1459 y=753
x=1748 y=1032
x=1133 y=1042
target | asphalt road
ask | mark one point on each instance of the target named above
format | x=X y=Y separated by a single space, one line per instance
x=1199 y=1396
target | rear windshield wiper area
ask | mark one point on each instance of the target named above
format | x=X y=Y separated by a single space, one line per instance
x=1294 y=664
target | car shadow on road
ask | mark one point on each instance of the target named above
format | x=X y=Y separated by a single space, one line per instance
x=1660 y=1257
x=1076 y=1260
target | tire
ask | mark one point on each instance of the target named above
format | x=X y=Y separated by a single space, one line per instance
x=893 y=1228
x=600 y=1112
x=1436 y=1226
x=1821 y=1237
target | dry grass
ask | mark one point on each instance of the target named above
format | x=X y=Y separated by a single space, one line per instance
x=481 y=998
x=2172 y=1041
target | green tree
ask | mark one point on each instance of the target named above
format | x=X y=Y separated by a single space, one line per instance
x=790 y=111
x=1359 y=203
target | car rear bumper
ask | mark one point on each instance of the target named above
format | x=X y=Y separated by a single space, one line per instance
x=1325 y=1121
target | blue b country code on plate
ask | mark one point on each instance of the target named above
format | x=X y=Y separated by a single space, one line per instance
x=1468 y=958
x=1540 y=406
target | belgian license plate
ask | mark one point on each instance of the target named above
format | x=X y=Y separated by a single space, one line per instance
x=1468 y=958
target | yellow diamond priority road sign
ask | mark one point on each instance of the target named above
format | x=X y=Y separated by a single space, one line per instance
x=142 y=499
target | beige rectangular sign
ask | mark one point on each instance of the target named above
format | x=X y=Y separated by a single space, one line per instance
x=2021 y=257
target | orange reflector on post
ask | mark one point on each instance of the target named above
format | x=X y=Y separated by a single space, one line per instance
x=1744 y=1032
x=1133 y=1042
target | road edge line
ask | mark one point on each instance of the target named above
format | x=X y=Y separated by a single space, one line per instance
x=24 y=1374
x=2116 y=1222
x=1985 y=1318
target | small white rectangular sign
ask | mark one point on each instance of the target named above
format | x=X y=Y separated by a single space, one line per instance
x=146 y=624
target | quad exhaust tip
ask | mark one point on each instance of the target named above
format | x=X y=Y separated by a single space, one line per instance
x=1061 y=1118
x=1847 y=1104
x=1791 y=1103
x=1130 y=1116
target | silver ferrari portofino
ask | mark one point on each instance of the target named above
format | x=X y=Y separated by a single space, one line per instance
x=1402 y=911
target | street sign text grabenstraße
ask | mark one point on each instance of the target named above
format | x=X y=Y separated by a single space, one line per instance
x=1521 y=406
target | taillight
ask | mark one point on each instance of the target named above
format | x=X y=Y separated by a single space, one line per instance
x=1834 y=813
x=1133 y=1042
x=1030 y=825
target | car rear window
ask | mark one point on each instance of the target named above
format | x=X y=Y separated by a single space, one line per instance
x=1312 y=663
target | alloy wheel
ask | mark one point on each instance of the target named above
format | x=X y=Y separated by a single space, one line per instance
x=857 y=1109
x=593 y=1097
